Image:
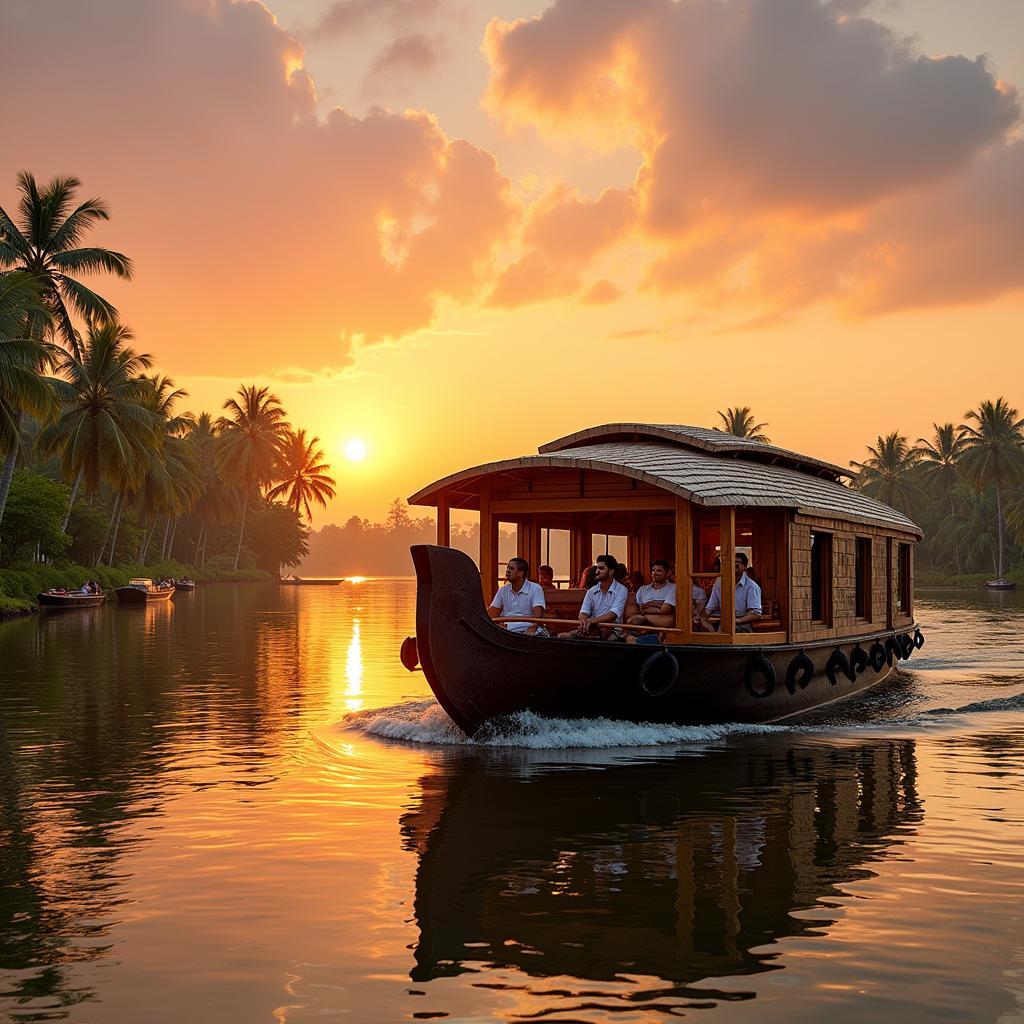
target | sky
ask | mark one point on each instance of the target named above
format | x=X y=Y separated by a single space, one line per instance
x=457 y=229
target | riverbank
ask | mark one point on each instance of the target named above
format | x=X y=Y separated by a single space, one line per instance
x=935 y=579
x=20 y=583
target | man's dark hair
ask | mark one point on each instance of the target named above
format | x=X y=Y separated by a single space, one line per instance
x=664 y=563
x=522 y=564
x=743 y=558
x=547 y=569
x=610 y=560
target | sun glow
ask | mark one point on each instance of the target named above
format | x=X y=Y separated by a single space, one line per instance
x=355 y=449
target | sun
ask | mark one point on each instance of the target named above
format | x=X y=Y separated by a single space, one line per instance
x=355 y=449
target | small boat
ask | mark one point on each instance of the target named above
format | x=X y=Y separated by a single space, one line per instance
x=1001 y=584
x=834 y=568
x=186 y=585
x=306 y=581
x=142 y=591
x=72 y=599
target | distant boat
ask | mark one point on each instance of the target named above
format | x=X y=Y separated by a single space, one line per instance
x=142 y=591
x=75 y=599
x=1001 y=584
x=184 y=585
x=319 y=581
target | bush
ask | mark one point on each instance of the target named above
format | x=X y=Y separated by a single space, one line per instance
x=33 y=517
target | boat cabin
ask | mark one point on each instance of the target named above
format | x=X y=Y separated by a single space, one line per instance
x=831 y=562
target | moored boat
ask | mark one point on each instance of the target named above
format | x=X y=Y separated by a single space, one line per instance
x=1001 y=584
x=185 y=585
x=834 y=567
x=73 y=599
x=143 y=591
x=304 y=581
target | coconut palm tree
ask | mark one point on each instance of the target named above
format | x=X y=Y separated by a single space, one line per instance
x=887 y=474
x=740 y=423
x=45 y=241
x=215 y=502
x=993 y=455
x=105 y=425
x=939 y=462
x=302 y=473
x=251 y=436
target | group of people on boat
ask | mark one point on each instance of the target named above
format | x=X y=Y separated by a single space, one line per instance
x=615 y=599
x=89 y=587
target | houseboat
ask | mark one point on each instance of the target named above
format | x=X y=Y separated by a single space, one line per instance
x=143 y=591
x=835 y=569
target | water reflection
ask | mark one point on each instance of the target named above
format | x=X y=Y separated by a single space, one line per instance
x=354 y=670
x=680 y=870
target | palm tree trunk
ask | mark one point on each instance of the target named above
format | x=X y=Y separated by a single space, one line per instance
x=71 y=501
x=205 y=538
x=117 y=525
x=10 y=463
x=999 y=529
x=163 y=546
x=956 y=543
x=241 y=532
x=170 y=546
x=142 y=542
x=106 y=536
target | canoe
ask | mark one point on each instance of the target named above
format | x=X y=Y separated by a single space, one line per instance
x=70 y=600
x=480 y=672
x=142 y=591
x=299 y=581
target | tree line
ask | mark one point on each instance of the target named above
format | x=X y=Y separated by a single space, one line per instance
x=99 y=463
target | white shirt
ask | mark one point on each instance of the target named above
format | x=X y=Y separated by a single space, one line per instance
x=748 y=596
x=530 y=596
x=599 y=601
x=666 y=593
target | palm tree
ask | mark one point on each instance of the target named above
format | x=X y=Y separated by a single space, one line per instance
x=740 y=423
x=887 y=473
x=105 y=426
x=939 y=460
x=251 y=437
x=301 y=471
x=22 y=386
x=993 y=455
x=45 y=242
x=215 y=500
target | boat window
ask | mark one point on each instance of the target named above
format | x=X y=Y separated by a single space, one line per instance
x=862 y=582
x=610 y=544
x=903 y=580
x=556 y=551
x=821 y=577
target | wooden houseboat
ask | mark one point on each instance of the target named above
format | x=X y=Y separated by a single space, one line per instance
x=835 y=568
x=143 y=591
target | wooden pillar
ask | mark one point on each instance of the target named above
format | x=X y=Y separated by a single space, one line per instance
x=890 y=609
x=581 y=544
x=727 y=544
x=444 y=522
x=684 y=566
x=488 y=544
x=536 y=558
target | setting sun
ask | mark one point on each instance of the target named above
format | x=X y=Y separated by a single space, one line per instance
x=355 y=449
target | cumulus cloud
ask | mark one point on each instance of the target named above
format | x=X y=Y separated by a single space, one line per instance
x=790 y=150
x=409 y=56
x=256 y=226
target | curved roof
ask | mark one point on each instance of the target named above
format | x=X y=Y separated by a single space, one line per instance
x=701 y=438
x=698 y=476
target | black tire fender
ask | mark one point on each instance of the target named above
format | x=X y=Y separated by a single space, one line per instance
x=907 y=646
x=658 y=673
x=918 y=639
x=877 y=657
x=759 y=665
x=799 y=673
x=838 y=662
x=858 y=660
x=893 y=651
x=409 y=653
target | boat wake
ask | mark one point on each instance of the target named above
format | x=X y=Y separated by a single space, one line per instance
x=425 y=722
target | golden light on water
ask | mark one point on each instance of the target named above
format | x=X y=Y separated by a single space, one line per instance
x=354 y=671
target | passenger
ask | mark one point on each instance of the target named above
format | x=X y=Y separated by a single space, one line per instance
x=655 y=603
x=85 y=588
x=589 y=578
x=748 y=598
x=635 y=581
x=518 y=597
x=603 y=603
x=546 y=578
x=621 y=575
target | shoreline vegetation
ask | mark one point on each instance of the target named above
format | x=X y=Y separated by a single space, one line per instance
x=101 y=474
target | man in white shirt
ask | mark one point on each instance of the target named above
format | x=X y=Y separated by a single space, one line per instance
x=748 y=598
x=654 y=604
x=518 y=598
x=604 y=603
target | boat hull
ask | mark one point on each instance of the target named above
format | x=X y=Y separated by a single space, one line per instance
x=1001 y=585
x=185 y=587
x=480 y=672
x=133 y=595
x=66 y=601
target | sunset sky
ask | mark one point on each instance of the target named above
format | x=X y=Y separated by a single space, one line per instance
x=456 y=229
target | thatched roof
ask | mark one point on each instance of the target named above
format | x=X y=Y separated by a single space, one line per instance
x=698 y=475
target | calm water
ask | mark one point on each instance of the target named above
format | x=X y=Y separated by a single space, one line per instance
x=240 y=808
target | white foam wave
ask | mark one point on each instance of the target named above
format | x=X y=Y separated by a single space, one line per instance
x=426 y=722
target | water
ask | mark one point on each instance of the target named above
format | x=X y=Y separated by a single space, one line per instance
x=241 y=808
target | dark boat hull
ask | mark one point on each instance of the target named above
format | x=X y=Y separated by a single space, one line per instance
x=186 y=587
x=132 y=595
x=309 y=583
x=1001 y=585
x=480 y=672
x=53 y=601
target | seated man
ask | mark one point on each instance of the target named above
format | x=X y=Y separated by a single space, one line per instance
x=546 y=578
x=604 y=602
x=748 y=598
x=518 y=597
x=655 y=602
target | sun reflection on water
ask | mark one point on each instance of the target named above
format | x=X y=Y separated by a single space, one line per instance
x=354 y=671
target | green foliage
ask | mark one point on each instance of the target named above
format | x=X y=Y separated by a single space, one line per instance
x=277 y=535
x=87 y=526
x=34 y=516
